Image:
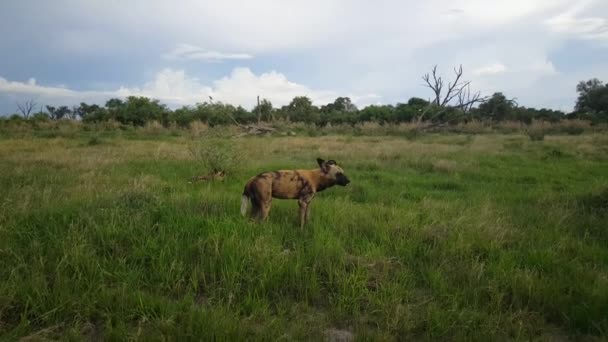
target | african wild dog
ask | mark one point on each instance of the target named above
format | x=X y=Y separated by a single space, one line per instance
x=290 y=184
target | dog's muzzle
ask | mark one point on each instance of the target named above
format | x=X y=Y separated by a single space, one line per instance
x=342 y=180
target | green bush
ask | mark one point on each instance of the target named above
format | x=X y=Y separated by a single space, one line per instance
x=216 y=155
x=94 y=140
x=536 y=134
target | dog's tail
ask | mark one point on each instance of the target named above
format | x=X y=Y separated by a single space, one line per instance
x=244 y=205
x=244 y=202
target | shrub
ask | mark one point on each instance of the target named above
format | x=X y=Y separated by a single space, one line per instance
x=153 y=127
x=536 y=134
x=94 y=140
x=216 y=155
x=197 y=128
x=574 y=127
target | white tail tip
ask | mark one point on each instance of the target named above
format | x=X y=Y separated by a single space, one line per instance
x=244 y=204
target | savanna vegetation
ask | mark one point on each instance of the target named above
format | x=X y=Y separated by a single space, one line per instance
x=467 y=218
x=440 y=236
x=452 y=103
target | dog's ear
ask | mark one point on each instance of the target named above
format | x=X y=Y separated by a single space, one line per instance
x=323 y=165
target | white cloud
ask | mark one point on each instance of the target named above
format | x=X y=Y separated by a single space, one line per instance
x=491 y=69
x=192 y=52
x=590 y=28
x=541 y=67
x=242 y=87
x=32 y=88
x=350 y=46
x=273 y=26
x=585 y=20
x=171 y=86
x=175 y=88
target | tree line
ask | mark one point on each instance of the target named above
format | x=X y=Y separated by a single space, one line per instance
x=453 y=103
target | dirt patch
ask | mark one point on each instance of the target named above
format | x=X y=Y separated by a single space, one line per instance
x=337 y=335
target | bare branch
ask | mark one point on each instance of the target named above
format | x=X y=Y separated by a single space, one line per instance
x=457 y=90
x=453 y=91
x=466 y=100
x=27 y=107
x=454 y=88
x=436 y=85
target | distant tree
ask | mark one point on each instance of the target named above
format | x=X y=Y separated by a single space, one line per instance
x=114 y=103
x=523 y=114
x=136 y=110
x=417 y=102
x=243 y=116
x=301 y=109
x=51 y=111
x=342 y=110
x=405 y=112
x=585 y=89
x=218 y=113
x=497 y=108
x=26 y=107
x=454 y=89
x=592 y=99
x=75 y=113
x=58 y=113
x=92 y=113
x=16 y=118
x=379 y=113
x=40 y=116
x=457 y=95
x=63 y=112
x=548 y=114
x=466 y=99
x=182 y=116
x=265 y=110
x=344 y=104
x=116 y=110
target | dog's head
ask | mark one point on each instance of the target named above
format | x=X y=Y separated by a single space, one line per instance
x=331 y=170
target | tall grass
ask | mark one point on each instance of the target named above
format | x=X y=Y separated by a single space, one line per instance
x=198 y=129
x=443 y=237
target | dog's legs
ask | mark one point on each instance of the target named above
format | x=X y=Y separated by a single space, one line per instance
x=265 y=209
x=304 y=203
x=256 y=211
x=303 y=208
x=308 y=207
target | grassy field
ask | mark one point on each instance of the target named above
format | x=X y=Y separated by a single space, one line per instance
x=438 y=237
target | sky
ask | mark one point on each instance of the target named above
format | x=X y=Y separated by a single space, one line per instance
x=64 y=52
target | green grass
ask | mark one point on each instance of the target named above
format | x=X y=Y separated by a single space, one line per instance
x=438 y=237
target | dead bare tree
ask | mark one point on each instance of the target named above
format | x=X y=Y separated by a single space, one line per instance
x=466 y=99
x=26 y=107
x=437 y=84
x=457 y=90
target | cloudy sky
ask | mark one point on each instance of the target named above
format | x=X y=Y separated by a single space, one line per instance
x=181 y=52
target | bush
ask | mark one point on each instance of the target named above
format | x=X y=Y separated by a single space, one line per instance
x=216 y=155
x=153 y=127
x=94 y=141
x=573 y=130
x=536 y=134
x=197 y=128
x=574 y=127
